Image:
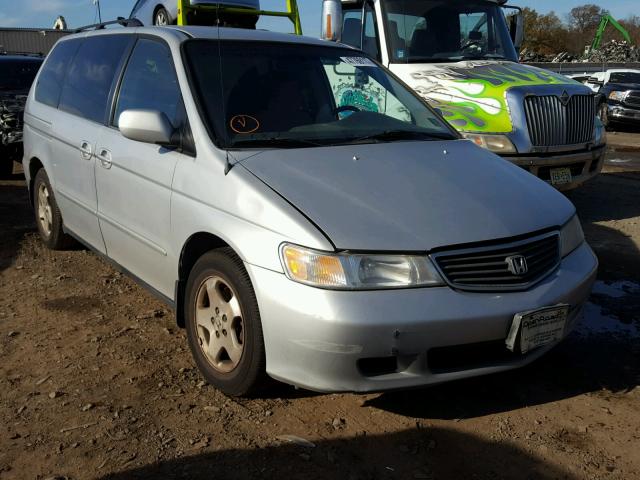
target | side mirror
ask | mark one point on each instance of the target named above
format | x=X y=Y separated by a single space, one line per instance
x=147 y=126
x=516 y=26
x=331 y=20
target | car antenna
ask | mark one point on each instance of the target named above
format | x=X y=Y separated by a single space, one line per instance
x=227 y=164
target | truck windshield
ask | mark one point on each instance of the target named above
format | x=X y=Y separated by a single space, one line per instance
x=421 y=31
x=278 y=95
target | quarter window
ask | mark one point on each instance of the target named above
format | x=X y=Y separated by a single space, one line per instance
x=150 y=83
x=88 y=83
x=53 y=72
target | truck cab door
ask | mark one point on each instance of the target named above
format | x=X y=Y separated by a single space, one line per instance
x=371 y=42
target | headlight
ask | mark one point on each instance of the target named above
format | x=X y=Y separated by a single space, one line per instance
x=571 y=236
x=618 y=96
x=494 y=143
x=600 y=133
x=343 y=271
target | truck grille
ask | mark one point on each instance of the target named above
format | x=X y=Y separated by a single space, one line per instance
x=633 y=99
x=553 y=124
x=487 y=268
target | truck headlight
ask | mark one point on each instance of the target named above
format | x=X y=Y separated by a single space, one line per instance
x=495 y=143
x=344 y=271
x=571 y=236
x=618 y=96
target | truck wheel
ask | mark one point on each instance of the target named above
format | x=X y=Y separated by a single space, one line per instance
x=48 y=217
x=161 y=17
x=223 y=324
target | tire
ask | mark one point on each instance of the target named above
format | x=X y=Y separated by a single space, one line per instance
x=229 y=352
x=47 y=213
x=161 y=17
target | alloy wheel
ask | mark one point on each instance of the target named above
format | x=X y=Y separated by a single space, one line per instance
x=45 y=213
x=161 y=18
x=220 y=325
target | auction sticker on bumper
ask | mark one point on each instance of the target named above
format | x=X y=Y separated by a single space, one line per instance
x=561 y=176
x=537 y=328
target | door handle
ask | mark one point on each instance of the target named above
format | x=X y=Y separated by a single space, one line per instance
x=86 y=150
x=104 y=156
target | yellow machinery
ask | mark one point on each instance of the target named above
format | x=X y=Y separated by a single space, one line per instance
x=292 y=12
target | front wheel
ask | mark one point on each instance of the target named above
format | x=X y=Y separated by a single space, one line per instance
x=161 y=17
x=223 y=324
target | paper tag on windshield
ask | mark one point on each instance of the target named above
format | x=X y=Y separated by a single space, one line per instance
x=358 y=61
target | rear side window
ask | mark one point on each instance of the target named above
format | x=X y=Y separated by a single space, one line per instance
x=91 y=75
x=150 y=82
x=53 y=72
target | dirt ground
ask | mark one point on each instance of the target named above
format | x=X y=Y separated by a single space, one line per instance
x=97 y=382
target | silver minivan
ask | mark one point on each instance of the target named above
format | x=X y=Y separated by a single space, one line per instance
x=306 y=215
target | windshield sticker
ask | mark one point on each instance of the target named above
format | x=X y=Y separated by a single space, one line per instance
x=358 y=61
x=244 y=124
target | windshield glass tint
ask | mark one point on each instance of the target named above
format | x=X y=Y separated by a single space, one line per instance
x=625 y=77
x=277 y=95
x=427 y=30
x=18 y=75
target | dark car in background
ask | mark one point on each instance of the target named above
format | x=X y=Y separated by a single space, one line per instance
x=619 y=96
x=17 y=73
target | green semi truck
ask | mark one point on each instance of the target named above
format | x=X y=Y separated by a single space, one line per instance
x=461 y=56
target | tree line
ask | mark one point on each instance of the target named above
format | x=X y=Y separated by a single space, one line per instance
x=549 y=34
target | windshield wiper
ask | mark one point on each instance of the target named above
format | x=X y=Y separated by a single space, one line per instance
x=398 y=135
x=275 y=142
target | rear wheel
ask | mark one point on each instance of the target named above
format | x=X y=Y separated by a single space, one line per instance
x=223 y=324
x=161 y=17
x=48 y=217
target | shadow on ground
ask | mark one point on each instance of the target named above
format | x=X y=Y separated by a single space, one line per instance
x=428 y=453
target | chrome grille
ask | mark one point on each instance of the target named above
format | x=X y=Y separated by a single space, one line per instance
x=633 y=99
x=487 y=268
x=553 y=124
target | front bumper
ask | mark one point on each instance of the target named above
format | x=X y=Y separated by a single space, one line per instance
x=619 y=113
x=583 y=165
x=332 y=341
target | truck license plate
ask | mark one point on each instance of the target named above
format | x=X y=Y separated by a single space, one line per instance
x=534 y=329
x=561 y=176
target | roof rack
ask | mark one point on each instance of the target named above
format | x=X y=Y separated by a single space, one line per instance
x=292 y=12
x=125 y=22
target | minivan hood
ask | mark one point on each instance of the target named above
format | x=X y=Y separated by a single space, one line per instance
x=410 y=196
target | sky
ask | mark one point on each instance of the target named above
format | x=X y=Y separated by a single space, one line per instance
x=42 y=13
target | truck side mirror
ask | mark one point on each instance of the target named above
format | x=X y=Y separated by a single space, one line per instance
x=332 y=20
x=516 y=28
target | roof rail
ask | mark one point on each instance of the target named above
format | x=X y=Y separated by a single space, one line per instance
x=125 y=22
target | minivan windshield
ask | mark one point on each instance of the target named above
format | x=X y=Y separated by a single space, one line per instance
x=278 y=95
x=421 y=31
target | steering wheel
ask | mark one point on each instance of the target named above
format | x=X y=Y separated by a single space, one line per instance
x=347 y=108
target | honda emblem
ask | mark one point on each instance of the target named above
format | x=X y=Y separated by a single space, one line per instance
x=517 y=265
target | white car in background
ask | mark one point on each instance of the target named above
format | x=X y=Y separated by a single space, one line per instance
x=157 y=12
